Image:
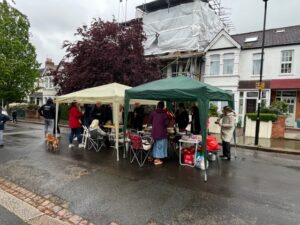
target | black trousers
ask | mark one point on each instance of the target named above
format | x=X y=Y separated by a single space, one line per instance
x=226 y=149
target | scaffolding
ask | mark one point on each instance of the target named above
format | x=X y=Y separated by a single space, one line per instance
x=223 y=13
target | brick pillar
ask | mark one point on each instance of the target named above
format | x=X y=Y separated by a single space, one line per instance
x=278 y=127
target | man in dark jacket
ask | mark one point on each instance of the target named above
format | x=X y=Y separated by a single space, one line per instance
x=138 y=117
x=98 y=113
x=3 y=119
x=48 y=112
x=182 y=117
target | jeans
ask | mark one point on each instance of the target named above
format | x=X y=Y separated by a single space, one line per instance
x=49 y=124
x=75 y=131
x=1 y=137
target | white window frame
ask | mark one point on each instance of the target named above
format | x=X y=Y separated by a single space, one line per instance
x=286 y=62
x=212 y=61
x=225 y=62
x=258 y=59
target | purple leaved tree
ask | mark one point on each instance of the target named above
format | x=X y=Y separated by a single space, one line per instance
x=106 y=52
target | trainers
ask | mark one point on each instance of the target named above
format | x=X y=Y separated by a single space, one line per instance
x=71 y=145
x=80 y=145
x=75 y=138
x=58 y=135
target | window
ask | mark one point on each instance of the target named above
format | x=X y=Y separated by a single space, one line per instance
x=174 y=70
x=215 y=65
x=256 y=63
x=286 y=61
x=280 y=30
x=251 y=39
x=252 y=94
x=228 y=63
x=51 y=82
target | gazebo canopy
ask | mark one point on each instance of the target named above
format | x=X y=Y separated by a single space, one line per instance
x=109 y=93
x=177 y=89
x=106 y=93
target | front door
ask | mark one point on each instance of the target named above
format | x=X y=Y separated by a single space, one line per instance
x=250 y=105
x=290 y=120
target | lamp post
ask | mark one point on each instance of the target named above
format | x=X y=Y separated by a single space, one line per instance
x=260 y=76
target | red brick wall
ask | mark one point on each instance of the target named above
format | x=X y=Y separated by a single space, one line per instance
x=298 y=106
x=278 y=128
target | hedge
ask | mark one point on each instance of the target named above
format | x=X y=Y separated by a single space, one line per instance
x=64 y=111
x=265 y=117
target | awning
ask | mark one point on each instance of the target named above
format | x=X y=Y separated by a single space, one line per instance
x=285 y=84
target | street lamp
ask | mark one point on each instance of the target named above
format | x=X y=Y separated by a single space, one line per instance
x=260 y=77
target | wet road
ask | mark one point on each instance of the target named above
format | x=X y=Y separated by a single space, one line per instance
x=256 y=188
x=7 y=218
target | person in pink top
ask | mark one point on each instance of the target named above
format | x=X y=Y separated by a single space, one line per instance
x=159 y=121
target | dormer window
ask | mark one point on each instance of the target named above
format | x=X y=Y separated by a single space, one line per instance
x=280 y=31
x=251 y=39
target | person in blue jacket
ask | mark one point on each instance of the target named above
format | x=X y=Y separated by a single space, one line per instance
x=3 y=119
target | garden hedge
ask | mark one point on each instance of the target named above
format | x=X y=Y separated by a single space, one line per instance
x=264 y=117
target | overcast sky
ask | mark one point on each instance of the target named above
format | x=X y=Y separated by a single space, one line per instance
x=53 y=21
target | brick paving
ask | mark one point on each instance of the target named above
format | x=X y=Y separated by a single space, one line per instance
x=48 y=204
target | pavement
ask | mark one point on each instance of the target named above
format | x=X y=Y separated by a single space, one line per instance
x=254 y=188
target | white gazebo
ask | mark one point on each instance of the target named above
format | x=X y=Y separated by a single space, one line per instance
x=110 y=93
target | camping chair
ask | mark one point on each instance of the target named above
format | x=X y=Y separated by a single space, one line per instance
x=92 y=139
x=140 y=148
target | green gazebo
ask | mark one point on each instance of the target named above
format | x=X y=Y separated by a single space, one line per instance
x=180 y=89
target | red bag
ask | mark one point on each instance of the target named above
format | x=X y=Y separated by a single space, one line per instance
x=188 y=159
x=136 y=141
x=212 y=143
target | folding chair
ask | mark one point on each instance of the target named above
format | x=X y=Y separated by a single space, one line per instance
x=140 y=148
x=92 y=139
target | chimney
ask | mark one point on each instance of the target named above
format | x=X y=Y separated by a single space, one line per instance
x=49 y=64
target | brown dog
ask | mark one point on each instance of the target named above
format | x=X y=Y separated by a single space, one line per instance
x=52 y=143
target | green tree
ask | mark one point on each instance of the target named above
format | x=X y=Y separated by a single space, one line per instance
x=18 y=64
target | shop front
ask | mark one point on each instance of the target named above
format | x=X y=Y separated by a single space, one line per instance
x=289 y=91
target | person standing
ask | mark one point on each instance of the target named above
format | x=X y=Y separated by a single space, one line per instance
x=14 y=116
x=3 y=120
x=182 y=117
x=75 y=124
x=159 y=121
x=48 y=112
x=98 y=113
x=87 y=118
x=227 y=129
x=57 y=127
x=138 y=117
x=195 y=124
